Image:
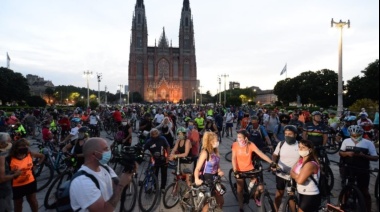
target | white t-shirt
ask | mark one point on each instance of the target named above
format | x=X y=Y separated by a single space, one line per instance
x=83 y=191
x=74 y=132
x=159 y=118
x=364 y=143
x=229 y=117
x=288 y=157
x=94 y=119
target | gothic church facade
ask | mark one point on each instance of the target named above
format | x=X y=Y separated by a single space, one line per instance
x=162 y=73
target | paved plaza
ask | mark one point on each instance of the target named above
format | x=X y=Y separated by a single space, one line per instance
x=231 y=204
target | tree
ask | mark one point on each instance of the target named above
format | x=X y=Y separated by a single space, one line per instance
x=36 y=101
x=371 y=81
x=13 y=86
x=49 y=92
x=136 y=98
x=369 y=104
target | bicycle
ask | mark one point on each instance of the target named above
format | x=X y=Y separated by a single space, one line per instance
x=266 y=201
x=149 y=189
x=350 y=197
x=50 y=199
x=193 y=200
x=325 y=166
x=174 y=191
x=45 y=172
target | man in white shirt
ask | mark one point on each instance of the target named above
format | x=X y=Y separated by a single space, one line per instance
x=229 y=118
x=84 y=194
x=73 y=134
x=286 y=155
x=158 y=118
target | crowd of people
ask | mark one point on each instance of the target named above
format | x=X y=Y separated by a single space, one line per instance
x=184 y=132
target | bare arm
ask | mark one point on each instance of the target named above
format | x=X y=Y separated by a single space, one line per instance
x=263 y=156
x=307 y=170
x=7 y=177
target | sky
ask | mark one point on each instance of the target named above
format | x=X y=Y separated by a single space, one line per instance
x=248 y=40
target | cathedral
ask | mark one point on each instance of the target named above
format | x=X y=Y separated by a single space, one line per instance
x=162 y=73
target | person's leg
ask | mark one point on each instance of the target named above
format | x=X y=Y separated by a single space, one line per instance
x=18 y=204
x=363 y=184
x=32 y=200
x=164 y=176
x=239 y=191
x=277 y=199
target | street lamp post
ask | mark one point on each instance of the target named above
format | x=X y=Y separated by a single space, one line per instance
x=105 y=93
x=220 y=89
x=99 y=76
x=200 y=91
x=225 y=76
x=88 y=74
x=340 y=25
x=127 y=97
x=121 y=87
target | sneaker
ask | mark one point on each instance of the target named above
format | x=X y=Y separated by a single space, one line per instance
x=258 y=202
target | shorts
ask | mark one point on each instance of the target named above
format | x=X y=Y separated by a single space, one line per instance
x=309 y=203
x=229 y=125
x=280 y=183
x=25 y=190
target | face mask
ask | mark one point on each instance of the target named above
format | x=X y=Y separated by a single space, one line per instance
x=191 y=127
x=242 y=142
x=181 y=137
x=106 y=156
x=290 y=140
x=23 y=151
x=215 y=145
x=304 y=153
x=358 y=139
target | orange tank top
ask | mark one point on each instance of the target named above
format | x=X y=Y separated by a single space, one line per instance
x=26 y=167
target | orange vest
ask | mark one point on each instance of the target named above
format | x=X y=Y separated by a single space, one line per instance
x=26 y=167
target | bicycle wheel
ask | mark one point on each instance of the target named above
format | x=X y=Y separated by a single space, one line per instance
x=60 y=165
x=228 y=156
x=128 y=197
x=50 y=196
x=330 y=177
x=233 y=184
x=173 y=193
x=266 y=202
x=332 y=146
x=44 y=175
x=351 y=199
x=149 y=193
x=290 y=206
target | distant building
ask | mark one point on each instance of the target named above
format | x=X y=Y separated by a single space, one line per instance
x=234 y=85
x=266 y=97
x=38 y=85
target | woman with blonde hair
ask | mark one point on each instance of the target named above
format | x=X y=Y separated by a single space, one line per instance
x=208 y=160
x=166 y=130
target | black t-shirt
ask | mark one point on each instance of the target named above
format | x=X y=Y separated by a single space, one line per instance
x=148 y=124
x=157 y=147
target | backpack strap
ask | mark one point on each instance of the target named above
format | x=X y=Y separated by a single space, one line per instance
x=314 y=180
x=279 y=151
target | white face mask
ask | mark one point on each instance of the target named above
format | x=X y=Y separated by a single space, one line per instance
x=304 y=153
x=215 y=145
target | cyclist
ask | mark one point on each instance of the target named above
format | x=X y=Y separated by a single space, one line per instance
x=200 y=122
x=93 y=121
x=210 y=126
x=166 y=127
x=257 y=134
x=146 y=123
x=357 y=152
x=209 y=159
x=279 y=130
x=182 y=149
x=117 y=117
x=245 y=121
x=271 y=122
x=30 y=122
x=303 y=172
x=75 y=147
x=84 y=118
x=286 y=156
x=366 y=124
x=333 y=121
x=242 y=161
x=297 y=123
x=20 y=130
x=64 y=122
x=315 y=130
x=229 y=119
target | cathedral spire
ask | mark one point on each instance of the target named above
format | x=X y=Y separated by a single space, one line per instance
x=163 y=43
x=186 y=5
x=140 y=3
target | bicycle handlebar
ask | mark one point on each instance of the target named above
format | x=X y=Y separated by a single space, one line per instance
x=249 y=174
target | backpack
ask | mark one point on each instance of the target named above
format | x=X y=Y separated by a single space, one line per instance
x=63 y=192
x=322 y=185
x=120 y=135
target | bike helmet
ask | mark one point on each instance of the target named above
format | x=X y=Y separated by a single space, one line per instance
x=355 y=129
x=75 y=120
x=291 y=128
x=83 y=129
x=209 y=118
x=363 y=114
x=182 y=130
x=350 y=118
x=316 y=113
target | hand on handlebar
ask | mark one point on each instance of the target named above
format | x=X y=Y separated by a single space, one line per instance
x=198 y=182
